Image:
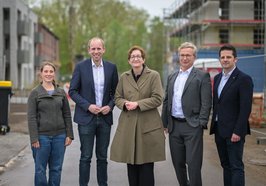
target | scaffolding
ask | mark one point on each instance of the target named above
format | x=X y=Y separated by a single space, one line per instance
x=212 y=23
x=209 y=24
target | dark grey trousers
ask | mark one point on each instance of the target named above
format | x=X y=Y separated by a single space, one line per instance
x=186 y=146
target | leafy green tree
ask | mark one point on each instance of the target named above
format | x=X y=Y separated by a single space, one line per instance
x=157 y=44
x=118 y=23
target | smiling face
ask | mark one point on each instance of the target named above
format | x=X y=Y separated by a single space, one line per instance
x=227 y=60
x=96 y=50
x=47 y=74
x=136 y=59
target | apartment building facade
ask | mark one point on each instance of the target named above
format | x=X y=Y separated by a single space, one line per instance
x=212 y=23
x=46 y=47
x=24 y=44
x=17 y=43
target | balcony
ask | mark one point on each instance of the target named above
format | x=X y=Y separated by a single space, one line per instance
x=38 y=37
x=6 y=27
x=23 y=28
x=7 y=56
x=23 y=56
x=37 y=60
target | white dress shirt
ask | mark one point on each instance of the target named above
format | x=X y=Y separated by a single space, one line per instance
x=179 y=85
x=98 y=77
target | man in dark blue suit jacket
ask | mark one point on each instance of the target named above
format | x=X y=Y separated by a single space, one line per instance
x=92 y=88
x=232 y=101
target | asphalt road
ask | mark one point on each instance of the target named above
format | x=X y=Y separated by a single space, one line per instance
x=20 y=172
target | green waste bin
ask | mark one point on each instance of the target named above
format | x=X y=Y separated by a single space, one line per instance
x=5 y=95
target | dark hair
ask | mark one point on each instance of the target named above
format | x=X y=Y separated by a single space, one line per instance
x=47 y=63
x=228 y=47
x=136 y=47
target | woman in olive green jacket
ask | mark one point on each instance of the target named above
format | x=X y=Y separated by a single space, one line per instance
x=139 y=140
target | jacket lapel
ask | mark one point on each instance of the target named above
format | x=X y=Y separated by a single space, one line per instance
x=90 y=74
x=106 y=75
x=171 y=84
x=216 y=85
x=131 y=80
x=229 y=82
x=143 y=77
x=189 y=79
x=141 y=80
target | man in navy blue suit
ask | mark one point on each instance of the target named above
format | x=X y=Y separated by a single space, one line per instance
x=92 y=88
x=232 y=101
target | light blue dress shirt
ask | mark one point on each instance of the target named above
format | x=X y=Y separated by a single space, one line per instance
x=179 y=85
x=98 y=77
x=224 y=80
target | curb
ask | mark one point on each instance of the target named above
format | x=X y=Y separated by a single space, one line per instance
x=11 y=145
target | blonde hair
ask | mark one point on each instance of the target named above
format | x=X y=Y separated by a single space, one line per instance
x=188 y=45
x=96 y=38
x=48 y=63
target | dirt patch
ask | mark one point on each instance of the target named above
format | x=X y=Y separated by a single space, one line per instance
x=254 y=155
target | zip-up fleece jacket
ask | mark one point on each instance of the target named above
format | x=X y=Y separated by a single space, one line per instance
x=48 y=114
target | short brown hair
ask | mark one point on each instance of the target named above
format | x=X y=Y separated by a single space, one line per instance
x=136 y=47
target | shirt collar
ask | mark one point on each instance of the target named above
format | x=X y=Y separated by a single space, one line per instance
x=136 y=77
x=94 y=65
x=187 y=71
x=229 y=74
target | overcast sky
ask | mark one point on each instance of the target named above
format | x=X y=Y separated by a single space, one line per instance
x=153 y=7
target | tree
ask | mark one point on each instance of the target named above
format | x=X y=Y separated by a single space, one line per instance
x=157 y=44
x=118 y=23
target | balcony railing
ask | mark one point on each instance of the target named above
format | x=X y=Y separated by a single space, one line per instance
x=23 y=28
x=38 y=37
x=23 y=56
x=6 y=27
x=37 y=60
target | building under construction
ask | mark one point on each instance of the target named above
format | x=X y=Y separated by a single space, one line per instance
x=212 y=23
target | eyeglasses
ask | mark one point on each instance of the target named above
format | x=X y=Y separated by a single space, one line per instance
x=185 y=56
x=135 y=57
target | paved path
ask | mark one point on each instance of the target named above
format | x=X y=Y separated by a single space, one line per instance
x=19 y=171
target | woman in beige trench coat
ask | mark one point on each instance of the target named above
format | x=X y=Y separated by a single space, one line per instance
x=139 y=140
